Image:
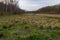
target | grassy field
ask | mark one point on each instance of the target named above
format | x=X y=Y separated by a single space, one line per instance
x=30 y=27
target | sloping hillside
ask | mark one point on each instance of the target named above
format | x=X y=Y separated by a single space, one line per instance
x=50 y=9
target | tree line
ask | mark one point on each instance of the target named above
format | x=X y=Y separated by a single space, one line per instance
x=50 y=9
x=10 y=7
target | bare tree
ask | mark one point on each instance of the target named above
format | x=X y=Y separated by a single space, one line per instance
x=10 y=4
x=13 y=2
x=16 y=2
x=6 y=2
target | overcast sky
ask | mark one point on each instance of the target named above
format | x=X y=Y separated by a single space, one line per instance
x=36 y=4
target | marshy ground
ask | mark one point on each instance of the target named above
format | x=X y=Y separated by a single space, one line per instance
x=30 y=27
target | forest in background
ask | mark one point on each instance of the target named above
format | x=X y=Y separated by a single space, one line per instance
x=14 y=9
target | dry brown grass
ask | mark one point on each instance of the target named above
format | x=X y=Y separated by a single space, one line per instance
x=39 y=19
